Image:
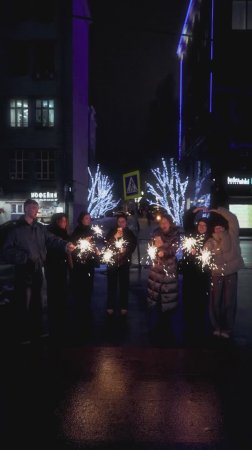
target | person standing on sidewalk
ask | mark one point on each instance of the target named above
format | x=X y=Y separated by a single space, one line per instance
x=225 y=249
x=122 y=241
x=57 y=267
x=26 y=247
x=83 y=270
x=196 y=280
x=162 y=284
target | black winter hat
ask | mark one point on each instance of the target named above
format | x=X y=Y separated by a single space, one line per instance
x=217 y=219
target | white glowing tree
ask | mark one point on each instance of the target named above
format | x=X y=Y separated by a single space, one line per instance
x=169 y=190
x=100 y=195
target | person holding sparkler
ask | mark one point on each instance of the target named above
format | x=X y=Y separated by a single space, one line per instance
x=26 y=247
x=84 y=260
x=225 y=248
x=196 y=278
x=57 y=277
x=162 y=285
x=121 y=243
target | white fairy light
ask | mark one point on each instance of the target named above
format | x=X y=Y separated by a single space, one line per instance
x=169 y=191
x=100 y=196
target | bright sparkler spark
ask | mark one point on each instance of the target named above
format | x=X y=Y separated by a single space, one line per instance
x=107 y=256
x=84 y=246
x=205 y=258
x=152 y=251
x=120 y=243
x=192 y=243
x=97 y=230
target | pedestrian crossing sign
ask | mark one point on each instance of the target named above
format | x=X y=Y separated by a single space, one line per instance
x=131 y=185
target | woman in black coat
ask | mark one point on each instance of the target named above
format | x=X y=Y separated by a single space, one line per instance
x=57 y=276
x=84 y=263
x=162 y=287
x=196 y=280
x=119 y=268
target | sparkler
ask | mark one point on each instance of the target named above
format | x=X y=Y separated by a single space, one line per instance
x=205 y=259
x=97 y=230
x=107 y=256
x=190 y=243
x=120 y=243
x=152 y=251
x=84 y=248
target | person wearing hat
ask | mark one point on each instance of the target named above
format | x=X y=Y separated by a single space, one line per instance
x=227 y=260
x=26 y=248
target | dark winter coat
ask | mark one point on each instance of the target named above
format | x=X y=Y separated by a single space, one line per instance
x=54 y=258
x=28 y=243
x=121 y=259
x=163 y=276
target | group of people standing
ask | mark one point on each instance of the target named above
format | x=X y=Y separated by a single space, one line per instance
x=209 y=287
x=34 y=248
x=209 y=292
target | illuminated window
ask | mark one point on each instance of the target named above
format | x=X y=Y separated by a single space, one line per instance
x=242 y=15
x=18 y=113
x=45 y=113
x=45 y=165
x=18 y=165
x=17 y=208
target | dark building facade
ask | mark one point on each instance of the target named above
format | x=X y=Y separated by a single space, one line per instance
x=215 y=98
x=44 y=111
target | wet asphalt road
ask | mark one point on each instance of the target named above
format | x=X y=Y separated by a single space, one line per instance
x=115 y=388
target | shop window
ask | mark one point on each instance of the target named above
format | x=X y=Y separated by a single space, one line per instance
x=17 y=208
x=45 y=165
x=242 y=15
x=18 y=165
x=19 y=113
x=45 y=113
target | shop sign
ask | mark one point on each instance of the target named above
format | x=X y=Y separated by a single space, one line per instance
x=45 y=196
x=241 y=181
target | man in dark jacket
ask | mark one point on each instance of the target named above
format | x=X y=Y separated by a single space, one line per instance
x=122 y=241
x=26 y=247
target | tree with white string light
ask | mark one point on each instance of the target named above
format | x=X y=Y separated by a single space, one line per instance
x=100 y=195
x=169 y=190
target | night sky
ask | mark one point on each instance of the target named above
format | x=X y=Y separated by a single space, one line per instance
x=134 y=80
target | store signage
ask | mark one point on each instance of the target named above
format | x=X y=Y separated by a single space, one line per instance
x=240 y=181
x=45 y=196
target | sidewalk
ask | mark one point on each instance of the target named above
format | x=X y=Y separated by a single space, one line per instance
x=114 y=389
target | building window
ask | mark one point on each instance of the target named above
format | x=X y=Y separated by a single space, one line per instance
x=44 y=60
x=45 y=113
x=242 y=15
x=45 y=165
x=18 y=113
x=18 y=58
x=17 y=208
x=18 y=165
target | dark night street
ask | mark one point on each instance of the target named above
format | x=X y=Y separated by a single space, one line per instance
x=115 y=388
x=125 y=133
